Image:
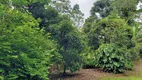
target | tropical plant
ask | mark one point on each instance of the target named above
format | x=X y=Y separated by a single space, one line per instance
x=112 y=58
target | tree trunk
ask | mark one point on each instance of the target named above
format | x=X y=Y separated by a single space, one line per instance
x=64 y=73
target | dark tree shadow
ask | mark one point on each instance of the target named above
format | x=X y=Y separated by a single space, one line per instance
x=61 y=76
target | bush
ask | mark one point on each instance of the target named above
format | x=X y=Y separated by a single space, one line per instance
x=88 y=57
x=26 y=57
x=112 y=58
x=26 y=53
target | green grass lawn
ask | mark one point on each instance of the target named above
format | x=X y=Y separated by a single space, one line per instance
x=123 y=78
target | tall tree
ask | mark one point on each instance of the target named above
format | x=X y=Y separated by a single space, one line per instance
x=46 y=15
x=61 y=29
x=108 y=31
x=102 y=7
x=77 y=16
x=62 y=6
x=126 y=9
x=70 y=44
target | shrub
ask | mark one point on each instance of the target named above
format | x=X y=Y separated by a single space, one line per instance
x=26 y=53
x=112 y=58
x=26 y=57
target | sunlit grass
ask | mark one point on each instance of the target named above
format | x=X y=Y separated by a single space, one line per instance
x=123 y=78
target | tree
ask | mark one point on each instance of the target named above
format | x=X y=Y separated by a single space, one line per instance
x=61 y=30
x=111 y=40
x=115 y=35
x=77 y=16
x=62 y=6
x=46 y=16
x=70 y=45
x=108 y=31
x=126 y=9
x=88 y=24
x=25 y=51
x=103 y=7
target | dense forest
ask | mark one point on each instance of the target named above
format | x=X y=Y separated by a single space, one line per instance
x=40 y=37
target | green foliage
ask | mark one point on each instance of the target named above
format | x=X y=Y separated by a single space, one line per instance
x=61 y=30
x=125 y=8
x=110 y=30
x=33 y=50
x=117 y=32
x=77 y=17
x=112 y=58
x=138 y=42
x=88 y=58
x=102 y=7
x=21 y=3
x=88 y=24
x=70 y=45
x=62 y=6
x=47 y=16
x=25 y=51
x=111 y=37
x=36 y=34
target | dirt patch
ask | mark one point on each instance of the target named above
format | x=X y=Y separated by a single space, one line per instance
x=96 y=74
x=88 y=74
x=84 y=74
